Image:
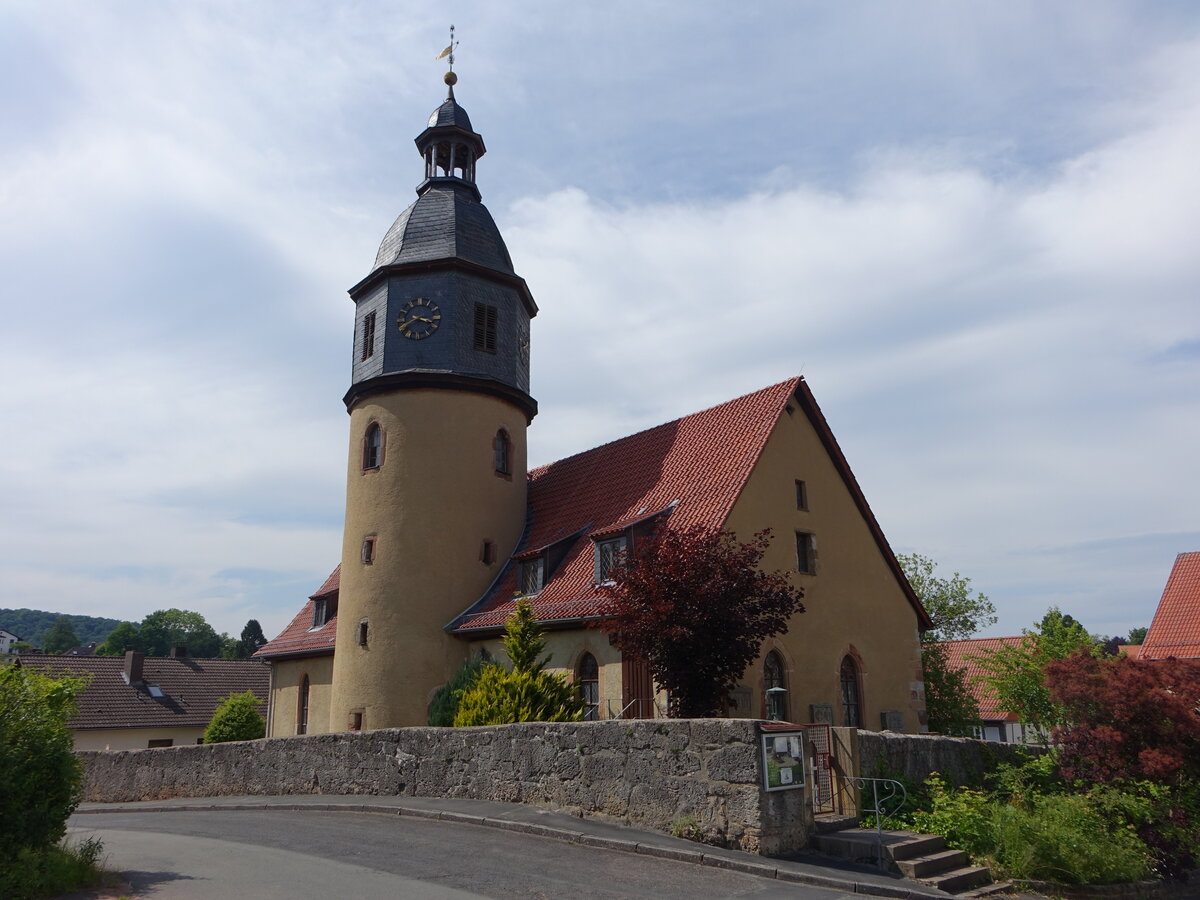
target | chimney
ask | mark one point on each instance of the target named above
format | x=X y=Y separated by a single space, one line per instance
x=178 y=651
x=133 y=666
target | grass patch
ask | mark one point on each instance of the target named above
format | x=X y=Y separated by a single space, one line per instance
x=61 y=869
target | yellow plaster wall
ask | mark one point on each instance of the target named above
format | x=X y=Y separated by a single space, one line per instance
x=284 y=712
x=853 y=601
x=431 y=505
x=133 y=738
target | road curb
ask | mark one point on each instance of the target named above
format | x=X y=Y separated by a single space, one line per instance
x=695 y=857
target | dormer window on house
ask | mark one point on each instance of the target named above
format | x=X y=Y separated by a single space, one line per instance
x=485 y=327
x=609 y=555
x=368 y=336
x=324 y=609
x=533 y=575
x=502 y=448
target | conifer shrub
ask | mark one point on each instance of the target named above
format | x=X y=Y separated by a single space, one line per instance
x=444 y=705
x=236 y=719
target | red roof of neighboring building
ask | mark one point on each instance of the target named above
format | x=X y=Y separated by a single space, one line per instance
x=963 y=655
x=191 y=688
x=300 y=638
x=1175 y=630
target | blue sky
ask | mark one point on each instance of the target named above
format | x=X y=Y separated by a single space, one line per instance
x=972 y=227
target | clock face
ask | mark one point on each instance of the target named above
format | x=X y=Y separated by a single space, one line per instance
x=419 y=319
x=523 y=347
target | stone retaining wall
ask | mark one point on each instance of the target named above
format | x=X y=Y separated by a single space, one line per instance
x=651 y=773
x=963 y=761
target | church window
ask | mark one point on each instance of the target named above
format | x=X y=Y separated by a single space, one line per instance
x=372 y=457
x=851 y=695
x=609 y=555
x=368 y=336
x=485 y=327
x=533 y=573
x=806 y=553
x=587 y=676
x=775 y=687
x=503 y=452
x=302 y=707
x=368 y=550
x=801 y=495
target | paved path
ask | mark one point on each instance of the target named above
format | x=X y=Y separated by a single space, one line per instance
x=325 y=846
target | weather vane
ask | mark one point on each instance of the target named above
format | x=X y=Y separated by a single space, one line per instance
x=449 y=51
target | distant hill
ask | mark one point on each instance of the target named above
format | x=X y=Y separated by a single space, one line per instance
x=31 y=624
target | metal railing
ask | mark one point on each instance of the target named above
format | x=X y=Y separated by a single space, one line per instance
x=887 y=797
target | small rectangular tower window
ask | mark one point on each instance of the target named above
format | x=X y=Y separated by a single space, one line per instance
x=801 y=495
x=362 y=633
x=356 y=719
x=368 y=550
x=806 y=553
x=485 y=327
x=368 y=336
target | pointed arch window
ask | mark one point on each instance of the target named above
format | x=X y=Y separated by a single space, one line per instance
x=302 y=707
x=502 y=451
x=372 y=454
x=775 y=686
x=587 y=676
x=851 y=694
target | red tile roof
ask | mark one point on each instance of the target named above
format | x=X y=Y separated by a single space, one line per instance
x=964 y=654
x=191 y=688
x=300 y=638
x=1175 y=630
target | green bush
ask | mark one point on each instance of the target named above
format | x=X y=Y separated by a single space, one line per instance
x=444 y=705
x=963 y=816
x=236 y=719
x=39 y=774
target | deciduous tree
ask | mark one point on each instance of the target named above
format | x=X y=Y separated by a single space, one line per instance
x=60 y=637
x=163 y=630
x=124 y=637
x=695 y=605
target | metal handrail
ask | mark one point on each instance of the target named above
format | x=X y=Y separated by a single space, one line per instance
x=883 y=792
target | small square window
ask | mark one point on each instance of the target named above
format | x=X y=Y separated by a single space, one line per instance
x=801 y=495
x=806 y=553
x=532 y=574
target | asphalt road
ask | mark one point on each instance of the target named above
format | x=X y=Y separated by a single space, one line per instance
x=271 y=854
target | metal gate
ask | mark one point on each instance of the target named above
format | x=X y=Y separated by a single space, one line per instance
x=820 y=742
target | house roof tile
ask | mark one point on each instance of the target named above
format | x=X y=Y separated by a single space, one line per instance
x=191 y=688
x=1175 y=629
x=964 y=655
x=300 y=638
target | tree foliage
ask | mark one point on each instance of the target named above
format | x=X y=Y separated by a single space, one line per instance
x=444 y=705
x=1137 y=635
x=236 y=718
x=1125 y=718
x=39 y=774
x=956 y=611
x=123 y=638
x=162 y=631
x=694 y=604
x=60 y=637
x=1016 y=675
x=32 y=624
x=252 y=638
x=525 y=694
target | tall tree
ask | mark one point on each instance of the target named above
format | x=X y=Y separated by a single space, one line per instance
x=1016 y=674
x=1137 y=635
x=694 y=604
x=60 y=637
x=252 y=638
x=125 y=636
x=163 y=630
x=957 y=613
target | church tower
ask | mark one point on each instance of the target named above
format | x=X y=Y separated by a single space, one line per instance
x=439 y=404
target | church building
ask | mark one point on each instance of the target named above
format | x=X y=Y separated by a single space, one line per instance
x=444 y=523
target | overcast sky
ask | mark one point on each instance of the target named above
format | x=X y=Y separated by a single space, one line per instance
x=973 y=227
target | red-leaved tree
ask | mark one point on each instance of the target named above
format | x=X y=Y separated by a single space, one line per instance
x=694 y=604
x=1127 y=718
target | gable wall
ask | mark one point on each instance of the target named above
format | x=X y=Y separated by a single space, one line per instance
x=853 y=600
x=285 y=694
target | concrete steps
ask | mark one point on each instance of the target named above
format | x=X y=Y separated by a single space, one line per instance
x=920 y=857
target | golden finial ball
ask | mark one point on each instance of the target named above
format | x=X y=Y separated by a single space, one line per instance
x=450 y=78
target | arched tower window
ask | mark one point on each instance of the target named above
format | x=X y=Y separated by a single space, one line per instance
x=503 y=453
x=775 y=686
x=372 y=457
x=851 y=694
x=587 y=676
x=302 y=707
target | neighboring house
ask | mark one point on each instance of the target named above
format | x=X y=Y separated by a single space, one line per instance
x=7 y=639
x=996 y=724
x=134 y=702
x=1175 y=629
x=444 y=522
